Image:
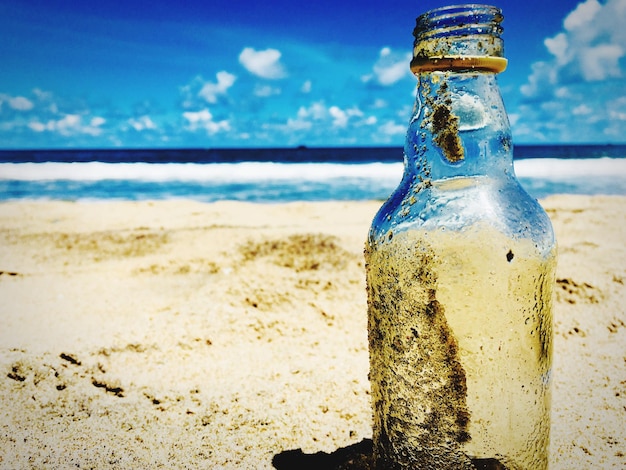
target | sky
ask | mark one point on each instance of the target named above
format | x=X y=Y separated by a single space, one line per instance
x=282 y=73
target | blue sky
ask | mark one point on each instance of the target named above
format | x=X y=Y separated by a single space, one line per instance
x=233 y=73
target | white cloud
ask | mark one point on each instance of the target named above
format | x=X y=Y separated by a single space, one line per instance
x=298 y=124
x=341 y=117
x=318 y=122
x=589 y=49
x=583 y=116
x=581 y=109
x=97 y=121
x=557 y=46
x=371 y=120
x=333 y=115
x=617 y=109
x=20 y=103
x=316 y=110
x=142 y=123
x=379 y=103
x=264 y=64
x=568 y=97
x=540 y=81
x=210 y=91
x=601 y=61
x=265 y=91
x=582 y=15
x=42 y=95
x=93 y=129
x=204 y=120
x=306 y=87
x=69 y=125
x=391 y=128
x=44 y=120
x=37 y=126
x=17 y=103
x=390 y=67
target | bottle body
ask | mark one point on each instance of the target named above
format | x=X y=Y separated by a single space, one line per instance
x=460 y=347
x=460 y=265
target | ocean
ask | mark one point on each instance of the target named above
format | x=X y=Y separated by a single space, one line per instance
x=278 y=175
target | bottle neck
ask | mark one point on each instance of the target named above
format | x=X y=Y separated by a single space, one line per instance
x=459 y=128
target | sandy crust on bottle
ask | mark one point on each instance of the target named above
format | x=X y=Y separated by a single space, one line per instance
x=422 y=411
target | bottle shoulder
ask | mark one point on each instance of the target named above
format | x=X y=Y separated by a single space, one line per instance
x=462 y=204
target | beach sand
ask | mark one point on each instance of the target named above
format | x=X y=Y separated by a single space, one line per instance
x=178 y=334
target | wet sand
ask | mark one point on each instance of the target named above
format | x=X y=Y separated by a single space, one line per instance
x=178 y=334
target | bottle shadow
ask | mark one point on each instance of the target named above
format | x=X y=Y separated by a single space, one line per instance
x=353 y=457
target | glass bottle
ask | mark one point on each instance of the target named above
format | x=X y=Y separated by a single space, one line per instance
x=460 y=269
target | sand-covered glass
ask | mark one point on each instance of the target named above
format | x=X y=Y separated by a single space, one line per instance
x=460 y=270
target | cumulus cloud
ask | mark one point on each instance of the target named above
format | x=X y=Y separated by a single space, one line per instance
x=210 y=91
x=265 y=91
x=589 y=49
x=391 y=128
x=572 y=95
x=340 y=116
x=379 y=103
x=63 y=125
x=601 y=61
x=69 y=125
x=97 y=121
x=306 y=87
x=43 y=119
x=582 y=109
x=298 y=124
x=314 y=111
x=317 y=122
x=204 y=120
x=582 y=15
x=264 y=64
x=370 y=120
x=20 y=103
x=390 y=67
x=333 y=116
x=16 y=103
x=142 y=123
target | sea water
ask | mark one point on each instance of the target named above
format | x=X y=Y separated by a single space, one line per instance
x=277 y=175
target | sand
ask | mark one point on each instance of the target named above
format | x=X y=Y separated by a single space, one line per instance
x=178 y=334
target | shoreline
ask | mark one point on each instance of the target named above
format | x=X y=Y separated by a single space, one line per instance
x=181 y=333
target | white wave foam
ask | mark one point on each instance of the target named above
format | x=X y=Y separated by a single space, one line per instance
x=560 y=169
x=223 y=172
x=552 y=169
